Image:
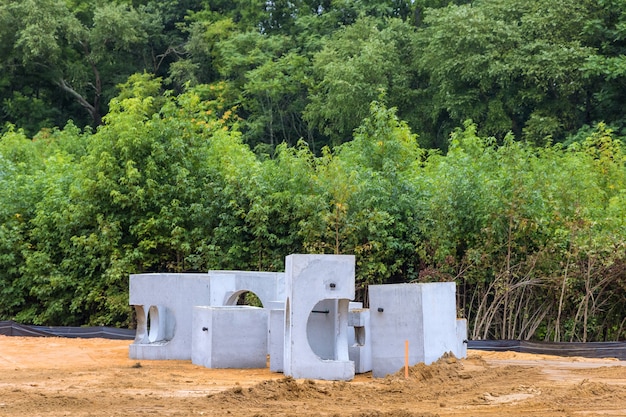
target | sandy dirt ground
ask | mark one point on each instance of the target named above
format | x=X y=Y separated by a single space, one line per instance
x=95 y=377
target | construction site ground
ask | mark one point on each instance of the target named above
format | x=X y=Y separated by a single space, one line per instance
x=94 y=377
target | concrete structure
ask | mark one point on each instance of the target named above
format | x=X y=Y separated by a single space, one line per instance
x=308 y=325
x=227 y=286
x=276 y=341
x=422 y=314
x=269 y=287
x=164 y=304
x=318 y=291
x=359 y=341
x=229 y=337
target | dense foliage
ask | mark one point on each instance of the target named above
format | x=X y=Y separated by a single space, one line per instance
x=546 y=70
x=471 y=142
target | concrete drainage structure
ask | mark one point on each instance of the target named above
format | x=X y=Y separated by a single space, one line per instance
x=422 y=314
x=307 y=325
x=319 y=290
x=164 y=305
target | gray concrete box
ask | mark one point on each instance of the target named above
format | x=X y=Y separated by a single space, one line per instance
x=395 y=312
x=422 y=314
x=229 y=337
x=163 y=304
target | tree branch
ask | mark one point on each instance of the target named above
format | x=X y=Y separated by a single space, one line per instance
x=93 y=111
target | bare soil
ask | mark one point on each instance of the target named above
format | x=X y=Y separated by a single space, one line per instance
x=95 y=377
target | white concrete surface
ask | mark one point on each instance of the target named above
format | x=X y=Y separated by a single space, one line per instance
x=316 y=343
x=439 y=319
x=276 y=342
x=164 y=304
x=359 y=341
x=227 y=286
x=229 y=337
x=394 y=318
x=461 y=339
x=422 y=314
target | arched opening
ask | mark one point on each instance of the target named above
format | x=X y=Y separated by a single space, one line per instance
x=141 y=333
x=244 y=298
x=159 y=324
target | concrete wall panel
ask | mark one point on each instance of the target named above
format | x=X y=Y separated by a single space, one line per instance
x=439 y=319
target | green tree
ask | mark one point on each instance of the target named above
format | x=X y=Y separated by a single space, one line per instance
x=358 y=63
x=606 y=70
x=276 y=95
x=529 y=234
x=371 y=200
x=48 y=49
x=509 y=66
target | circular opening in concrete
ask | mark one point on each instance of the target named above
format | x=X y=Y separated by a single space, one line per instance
x=141 y=315
x=320 y=329
x=244 y=298
x=152 y=324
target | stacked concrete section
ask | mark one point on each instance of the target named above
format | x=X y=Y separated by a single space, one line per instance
x=319 y=290
x=424 y=315
x=360 y=342
x=164 y=304
x=229 y=337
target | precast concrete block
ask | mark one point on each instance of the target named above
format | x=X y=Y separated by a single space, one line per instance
x=318 y=292
x=461 y=338
x=395 y=311
x=439 y=319
x=276 y=342
x=359 y=343
x=227 y=286
x=422 y=315
x=164 y=304
x=276 y=337
x=229 y=337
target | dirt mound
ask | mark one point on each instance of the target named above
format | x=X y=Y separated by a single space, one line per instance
x=447 y=368
x=286 y=389
x=588 y=389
